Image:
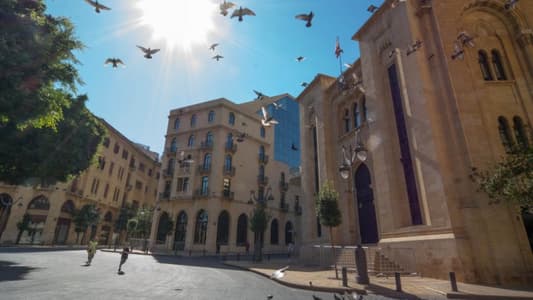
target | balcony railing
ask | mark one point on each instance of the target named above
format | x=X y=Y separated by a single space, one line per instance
x=284 y=206
x=262 y=158
x=283 y=185
x=201 y=193
x=232 y=148
x=262 y=180
x=227 y=195
x=228 y=171
x=204 y=169
x=206 y=145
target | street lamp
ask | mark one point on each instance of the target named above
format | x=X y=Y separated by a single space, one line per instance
x=359 y=152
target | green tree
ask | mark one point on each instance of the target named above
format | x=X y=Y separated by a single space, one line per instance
x=328 y=213
x=258 y=225
x=141 y=223
x=23 y=225
x=84 y=218
x=47 y=132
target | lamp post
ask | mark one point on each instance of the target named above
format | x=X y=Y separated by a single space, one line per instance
x=350 y=157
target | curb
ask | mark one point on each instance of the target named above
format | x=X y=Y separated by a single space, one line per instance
x=459 y=295
x=301 y=286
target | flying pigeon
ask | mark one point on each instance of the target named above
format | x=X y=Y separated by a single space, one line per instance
x=268 y=121
x=466 y=39
x=458 y=51
x=115 y=62
x=277 y=106
x=306 y=17
x=279 y=273
x=294 y=147
x=510 y=4
x=224 y=6
x=213 y=46
x=242 y=12
x=184 y=160
x=240 y=137
x=358 y=83
x=372 y=8
x=396 y=3
x=260 y=95
x=148 y=52
x=392 y=53
x=97 y=6
x=304 y=84
x=300 y=58
x=217 y=57
x=414 y=47
x=347 y=65
x=356 y=296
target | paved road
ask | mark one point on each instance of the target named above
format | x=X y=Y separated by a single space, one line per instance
x=42 y=274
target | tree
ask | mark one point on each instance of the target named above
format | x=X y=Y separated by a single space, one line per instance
x=141 y=223
x=328 y=212
x=47 y=132
x=23 y=225
x=258 y=224
x=84 y=218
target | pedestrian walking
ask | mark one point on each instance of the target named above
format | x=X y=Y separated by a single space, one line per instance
x=123 y=258
x=91 y=250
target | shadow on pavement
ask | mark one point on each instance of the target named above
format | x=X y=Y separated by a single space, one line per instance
x=22 y=249
x=207 y=261
x=10 y=271
x=383 y=291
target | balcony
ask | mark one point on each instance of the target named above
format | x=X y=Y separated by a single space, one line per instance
x=263 y=159
x=227 y=195
x=199 y=194
x=182 y=196
x=204 y=170
x=262 y=180
x=228 y=171
x=231 y=148
x=168 y=173
x=284 y=206
x=206 y=145
x=283 y=186
x=170 y=152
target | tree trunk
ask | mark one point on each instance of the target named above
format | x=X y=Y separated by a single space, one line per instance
x=19 y=235
x=333 y=250
x=258 y=247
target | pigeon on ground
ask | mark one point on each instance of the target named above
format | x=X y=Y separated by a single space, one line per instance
x=414 y=47
x=147 y=51
x=372 y=8
x=260 y=95
x=115 y=62
x=458 y=51
x=268 y=121
x=270 y=297
x=224 y=6
x=306 y=17
x=279 y=273
x=97 y=6
x=510 y=4
x=217 y=57
x=213 y=46
x=242 y=12
x=300 y=58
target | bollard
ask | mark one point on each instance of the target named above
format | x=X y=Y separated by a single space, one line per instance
x=344 y=276
x=398 y=281
x=453 y=281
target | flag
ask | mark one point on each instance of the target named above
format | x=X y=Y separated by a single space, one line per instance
x=338 y=49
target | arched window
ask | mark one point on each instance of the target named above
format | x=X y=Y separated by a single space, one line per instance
x=228 y=163
x=40 y=203
x=181 y=228
x=520 y=132
x=177 y=123
x=205 y=186
x=356 y=116
x=229 y=141
x=108 y=217
x=505 y=134
x=274 y=232
x=242 y=230
x=346 y=120
x=262 y=132
x=207 y=161
x=106 y=142
x=174 y=145
x=68 y=207
x=484 y=65
x=498 y=66
x=190 y=143
x=289 y=233
x=200 y=230
x=211 y=117
x=116 y=148
x=231 y=119
x=193 y=120
x=363 y=110
x=209 y=138
x=223 y=228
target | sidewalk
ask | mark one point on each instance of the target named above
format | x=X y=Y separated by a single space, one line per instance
x=413 y=287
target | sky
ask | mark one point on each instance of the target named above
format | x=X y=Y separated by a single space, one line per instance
x=259 y=54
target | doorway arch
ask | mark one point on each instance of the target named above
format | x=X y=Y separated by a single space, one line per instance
x=368 y=228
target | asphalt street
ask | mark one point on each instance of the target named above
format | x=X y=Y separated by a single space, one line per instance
x=46 y=274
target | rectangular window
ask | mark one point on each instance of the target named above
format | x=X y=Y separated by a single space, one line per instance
x=93 y=185
x=125 y=154
x=150 y=172
x=226 y=187
x=97 y=185
x=106 y=190
x=138 y=185
x=111 y=166
x=141 y=167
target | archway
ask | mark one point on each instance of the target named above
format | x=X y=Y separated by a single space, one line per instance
x=289 y=233
x=163 y=228
x=368 y=228
x=38 y=210
x=5 y=211
x=180 y=232
x=63 y=222
x=222 y=229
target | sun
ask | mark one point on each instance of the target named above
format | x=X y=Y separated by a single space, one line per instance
x=184 y=23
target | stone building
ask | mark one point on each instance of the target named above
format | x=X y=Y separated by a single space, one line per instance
x=219 y=160
x=426 y=115
x=125 y=173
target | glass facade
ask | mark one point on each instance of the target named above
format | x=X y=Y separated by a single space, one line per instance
x=287 y=132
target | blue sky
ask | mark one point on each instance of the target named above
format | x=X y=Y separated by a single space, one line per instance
x=259 y=53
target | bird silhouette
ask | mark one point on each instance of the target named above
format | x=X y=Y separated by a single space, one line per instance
x=115 y=62
x=294 y=147
x=306 y=17
x=270 y=297
x=184 y=160
x=97 y=6
x=260 y=95
x=277 y=105
x=224 y=6
x=240 y=137
x=510 y=4
x=267 y=120
x=279 y=273
x=300 y=58
x=147 y=51
x=304 y=84
x=466 y=39
x=213 y=46
x=414 y=47
x=357 y=83
x=346 y=65
x=458 y=51
x=242 y=12
x=372 y=8
x=217 y=57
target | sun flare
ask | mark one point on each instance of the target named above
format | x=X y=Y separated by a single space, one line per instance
x=184 y=23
